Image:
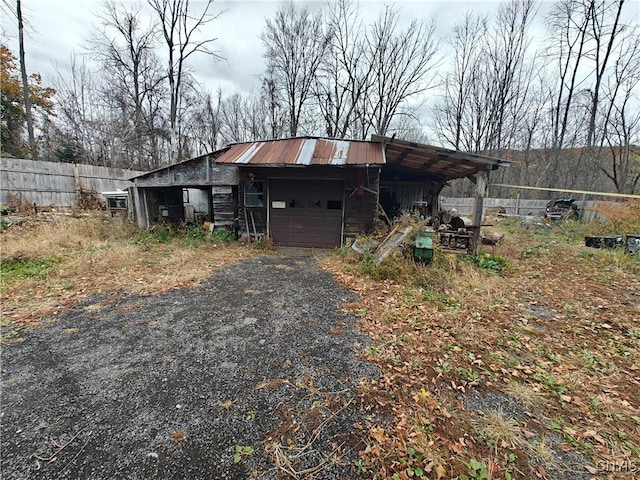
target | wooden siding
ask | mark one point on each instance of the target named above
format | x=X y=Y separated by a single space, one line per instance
x=192 y=173
x=224 y=208
x=402 y=197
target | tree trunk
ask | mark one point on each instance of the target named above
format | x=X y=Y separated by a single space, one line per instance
x=25 y=85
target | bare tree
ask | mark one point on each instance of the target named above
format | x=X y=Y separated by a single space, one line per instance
x=181 y=30
x=271 y=100
x=488 y=88
x=617 y=123
x=451 y=114
x=234 y=115
x=507 y=51
x=605 y=30
x=125 y=47
x=207 y=122
x=78 y=104
x=404 y=64
x=295 y=42
x=622 y=140
x=344 y=76
x=588 y=41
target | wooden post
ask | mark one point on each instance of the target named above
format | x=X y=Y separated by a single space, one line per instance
x=518 y=204
x=481 y=191
x=137 y=198
x=76 y=181
x=583 y=202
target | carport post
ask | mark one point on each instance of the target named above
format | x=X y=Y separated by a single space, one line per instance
x=481 y=191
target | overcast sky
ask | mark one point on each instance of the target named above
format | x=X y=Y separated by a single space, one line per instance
x=57 y=28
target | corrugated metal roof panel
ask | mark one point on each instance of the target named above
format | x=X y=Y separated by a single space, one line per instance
x=439 y=163
x=342 y=151
x=245 y=155
x=306 y=154
x=305 y=151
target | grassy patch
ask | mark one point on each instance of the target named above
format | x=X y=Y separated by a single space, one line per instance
x=49 y=266
x=35 y=269
x=488 y=261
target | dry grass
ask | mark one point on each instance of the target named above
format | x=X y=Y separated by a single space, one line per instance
x=622 y=217
x=49 y=266
x=556 y=329
x=525 y=394
x=500 y=431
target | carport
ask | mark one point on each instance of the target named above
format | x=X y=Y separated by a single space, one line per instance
x=417 y=173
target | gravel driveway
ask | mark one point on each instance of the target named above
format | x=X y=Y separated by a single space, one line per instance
x=256 y=363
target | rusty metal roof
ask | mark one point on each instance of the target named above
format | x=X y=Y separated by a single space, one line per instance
x=304 y=151
x=437 y=163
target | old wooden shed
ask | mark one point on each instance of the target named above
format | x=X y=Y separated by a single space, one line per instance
x=310 y=192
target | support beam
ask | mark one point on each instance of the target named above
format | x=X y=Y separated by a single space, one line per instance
x=481 y=191
x=137 y=207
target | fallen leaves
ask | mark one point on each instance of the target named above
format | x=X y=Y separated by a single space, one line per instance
x=535 y=330
x=177 y=436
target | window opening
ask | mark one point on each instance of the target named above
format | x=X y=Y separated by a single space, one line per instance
x=254 y=195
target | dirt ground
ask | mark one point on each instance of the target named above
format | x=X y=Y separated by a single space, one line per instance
x=249 y=374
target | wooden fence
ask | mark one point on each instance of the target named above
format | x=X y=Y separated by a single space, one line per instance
x=57 y=184
x=588 y=210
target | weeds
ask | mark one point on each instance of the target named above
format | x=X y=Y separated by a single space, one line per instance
x=35 y=269
x=476 y=471
x=492 y=263
x=195 y=236
x=222 y=236
x=242 y=451
x=545 y=321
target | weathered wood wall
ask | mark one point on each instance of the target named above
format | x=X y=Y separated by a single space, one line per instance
x=201 y=171
x=51 y=183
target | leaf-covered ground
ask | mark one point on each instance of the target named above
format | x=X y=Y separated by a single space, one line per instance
x=521 y=363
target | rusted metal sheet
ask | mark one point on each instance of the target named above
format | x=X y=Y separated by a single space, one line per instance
x=305 y=151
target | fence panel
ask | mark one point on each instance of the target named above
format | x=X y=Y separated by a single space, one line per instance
x=57 y=184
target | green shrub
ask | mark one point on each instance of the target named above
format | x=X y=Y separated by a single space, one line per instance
x=222 y=236
x=195 y=236
x=156 y=234
x=490 y=262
